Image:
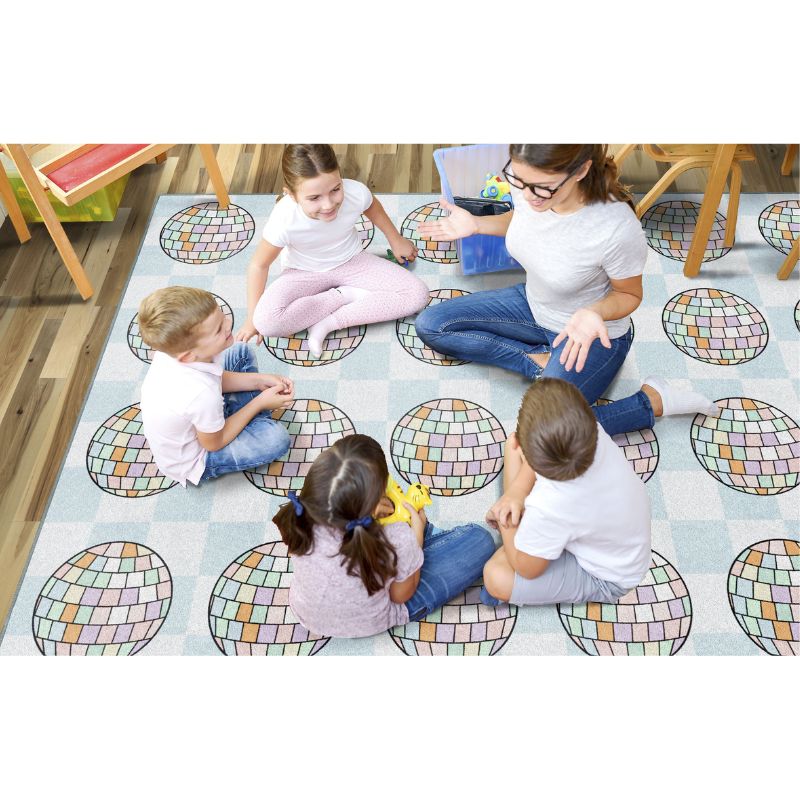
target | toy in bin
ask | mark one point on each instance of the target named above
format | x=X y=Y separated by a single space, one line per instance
x=417 y=495
x=496 y=188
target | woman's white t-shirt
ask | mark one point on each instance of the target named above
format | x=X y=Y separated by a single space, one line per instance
x=569 y=259
x=313 y=244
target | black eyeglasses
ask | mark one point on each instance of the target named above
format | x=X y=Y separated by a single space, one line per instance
x=545 y=192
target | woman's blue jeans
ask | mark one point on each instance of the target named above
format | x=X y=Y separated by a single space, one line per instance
x=454 y=560
x=497 y=327
x=262 y=440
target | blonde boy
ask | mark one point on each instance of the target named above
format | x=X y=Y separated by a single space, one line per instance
x=205 y=408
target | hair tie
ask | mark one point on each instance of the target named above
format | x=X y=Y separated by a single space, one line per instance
x=364 y=522
x=298 y=506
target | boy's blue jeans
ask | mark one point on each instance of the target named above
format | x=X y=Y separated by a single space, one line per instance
x=497 y=327
x=262 y=440
x=454 y=560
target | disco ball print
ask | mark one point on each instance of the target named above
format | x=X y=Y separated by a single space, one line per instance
x=407 y=333
x=108 y=600
x=640 y=448
x=205 y=232
x=764 y=593
x=797 y=315
x=313 y=426
x=119 y=459
x=669 y=228
x=779 y=224
x=294 y=349
x=366 y=231
x=461 y=627
x=143 y=352
x=249 y=614
x=651 y=620
x=715 y=326
x=438 y=252
x=752 y=447
x=454 y=447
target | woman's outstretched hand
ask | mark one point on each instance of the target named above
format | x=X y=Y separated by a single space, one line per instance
x=458 y=225
x=582 y=329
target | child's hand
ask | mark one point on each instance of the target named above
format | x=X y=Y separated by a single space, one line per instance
x=418 y=521
x=385 y=508
x=404 y=251
x=265 y=381
x=247 y=332
x=275 y=397
x=507 y=511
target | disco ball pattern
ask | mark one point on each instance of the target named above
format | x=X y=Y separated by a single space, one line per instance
x=797 y=315
x=715 y=326
x=313 y=426
x=669 y=227
x=294 y=349
x=454 y=447
x=438 y=252
x=752 y=447
x=366 y=231
x=640 y=448
x=205 y=232
x=651 y=620
x=119 y=460
x=764 y=593
x=779 y=224
x=108 y=600
x=461 y=627
x=407 y=333
x=249 y=614
x=143 y=352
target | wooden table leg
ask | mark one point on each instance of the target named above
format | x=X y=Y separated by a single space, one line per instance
x=717 y=177
x=215 y=175
x=791 y=261
x=62 y=243
x=12 y=206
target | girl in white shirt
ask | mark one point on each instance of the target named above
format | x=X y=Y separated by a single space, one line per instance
x=328 y=282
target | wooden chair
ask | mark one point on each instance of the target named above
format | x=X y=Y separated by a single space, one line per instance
x=78 y=173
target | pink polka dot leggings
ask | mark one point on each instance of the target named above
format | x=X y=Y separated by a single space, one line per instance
x=300 y=298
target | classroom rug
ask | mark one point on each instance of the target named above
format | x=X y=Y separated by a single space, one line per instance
x=127 y=562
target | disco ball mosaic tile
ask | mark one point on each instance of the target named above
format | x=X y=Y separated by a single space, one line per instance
x=752 y=446
x=779 y=224
x=438 y=252
x=715 y=326
x=653 y=619
x=249 y=614
x=797 y=315
x=108 y=600
x=640 y=448
x=143 y=352
x=453 y=446
x=366 y=231
x=462 y=627
x=764 y=595
x=119 y=460
x=412 y=344
x=313 y=426
x=669 y=227
x=205 y=232
x=294 y=349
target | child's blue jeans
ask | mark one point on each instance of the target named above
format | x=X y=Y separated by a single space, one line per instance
x=262 y=440
x=497 y=327
x=454 y=560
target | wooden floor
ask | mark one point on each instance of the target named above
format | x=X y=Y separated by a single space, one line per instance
x=50 y=340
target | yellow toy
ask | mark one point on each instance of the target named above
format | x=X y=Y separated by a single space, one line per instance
x=495 y=188
x=417 y=495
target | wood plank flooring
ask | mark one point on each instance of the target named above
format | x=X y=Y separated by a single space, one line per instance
x=50 y=340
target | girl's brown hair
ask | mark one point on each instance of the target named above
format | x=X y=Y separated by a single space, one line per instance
x=301 y=161
x=556 y=429
x=345 y=483
x=601 y=182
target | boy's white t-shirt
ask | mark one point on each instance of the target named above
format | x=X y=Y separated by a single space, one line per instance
x=570 y=259
x=602 y=517
x=314 y=244
x=177 y=400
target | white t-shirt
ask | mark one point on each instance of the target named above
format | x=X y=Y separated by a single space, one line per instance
x=177 y=400
x=602 y=518
x=314 y=244
x=569 y=258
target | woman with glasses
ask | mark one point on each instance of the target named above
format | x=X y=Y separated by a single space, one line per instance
x=574 y=231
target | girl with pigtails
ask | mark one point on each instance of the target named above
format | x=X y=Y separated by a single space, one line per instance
x=353 y=576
